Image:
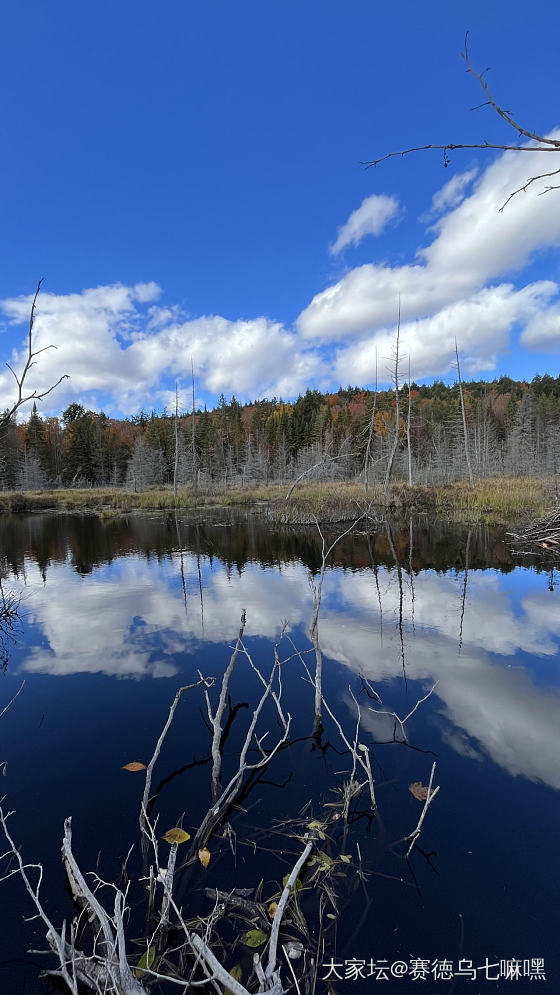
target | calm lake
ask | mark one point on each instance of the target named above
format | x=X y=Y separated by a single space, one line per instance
x=116 y=614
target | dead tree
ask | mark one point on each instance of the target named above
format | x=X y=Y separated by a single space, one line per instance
x=193 y=438
x=176 y=426
x=408 y=429
x=367 y=459
x=540 y=143
x=463 y=416
x=22 y=396
x=391 y=459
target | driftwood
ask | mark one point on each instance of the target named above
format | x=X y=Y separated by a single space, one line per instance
x=544 y=533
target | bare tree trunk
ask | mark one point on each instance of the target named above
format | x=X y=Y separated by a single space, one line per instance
x=408 y=430
x=391 y=460
x=194 y=466
x=371 y=429
x=467 y=457
x=176 y=466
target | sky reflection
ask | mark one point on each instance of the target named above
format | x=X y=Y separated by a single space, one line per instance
x=131 y=619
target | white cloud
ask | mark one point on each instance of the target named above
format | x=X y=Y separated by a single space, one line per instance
x=452 y=193
x=121 y=342
x=543 y=331
x=456 y=276
x=370 y=218
x=481 y=323
x=109 y=342
x=241 y=357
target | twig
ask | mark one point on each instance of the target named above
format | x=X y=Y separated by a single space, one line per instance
x=543 y=143
x=6 y=707
x=429 y=799
x=207 y=682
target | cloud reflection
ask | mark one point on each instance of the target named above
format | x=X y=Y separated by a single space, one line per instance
x=128 y=619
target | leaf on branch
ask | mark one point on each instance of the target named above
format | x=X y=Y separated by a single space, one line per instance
x=177 y=835
x=322 y=860
x=272 y=909
x=419 y=790
x=345 y=857
x=254 y=938
x=134 y=766
x=319 y=827
x=146 y=961
x=237 y=974
x=204 y=857
x=297 y=885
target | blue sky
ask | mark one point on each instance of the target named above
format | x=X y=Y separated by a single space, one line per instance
x=187 y=178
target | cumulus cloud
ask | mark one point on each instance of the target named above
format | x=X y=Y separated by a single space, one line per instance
x=370 y=218
x=482 y=324
x=122 y=345
x=453 y=192
x=109 y=341
x=543 y=331
x=457 y=274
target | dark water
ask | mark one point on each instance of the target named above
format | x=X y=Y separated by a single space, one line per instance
x=117 y=615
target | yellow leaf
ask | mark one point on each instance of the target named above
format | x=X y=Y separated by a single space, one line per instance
x=176 y=836
x=135 y=765
x=146 y=960
x=254 y=938
x=272 y=909
x=204 y=857
x=296 y=887
x=237 y=974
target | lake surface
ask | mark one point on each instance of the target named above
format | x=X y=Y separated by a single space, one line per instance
x=117 y=614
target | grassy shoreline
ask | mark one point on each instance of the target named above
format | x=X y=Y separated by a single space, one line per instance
x=497 y=500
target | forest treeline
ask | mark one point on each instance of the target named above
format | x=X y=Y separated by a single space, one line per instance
x=512 y=428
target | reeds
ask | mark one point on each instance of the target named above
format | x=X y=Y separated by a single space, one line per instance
x=495 y=500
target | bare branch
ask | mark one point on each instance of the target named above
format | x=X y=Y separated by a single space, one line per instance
x=429 y=799
x=6 y=707
x=207 y=682
x=289 y=886
x=525 y=187
x=542 y=142
x=505 y=115
x=20 y=381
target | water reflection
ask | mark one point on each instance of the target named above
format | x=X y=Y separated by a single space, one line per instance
x=10 y=623
x=142 y=597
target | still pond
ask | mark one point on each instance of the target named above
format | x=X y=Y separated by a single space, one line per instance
x=117 y=613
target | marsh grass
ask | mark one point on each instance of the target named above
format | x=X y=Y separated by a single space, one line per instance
x=495 y=500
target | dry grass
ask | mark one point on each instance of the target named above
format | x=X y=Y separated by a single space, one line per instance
x=500 y=499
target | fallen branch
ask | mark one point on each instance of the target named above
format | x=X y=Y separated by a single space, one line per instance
x=413 y=836
x=271 y=968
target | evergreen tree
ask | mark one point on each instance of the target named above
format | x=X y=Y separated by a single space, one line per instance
x=36 y=440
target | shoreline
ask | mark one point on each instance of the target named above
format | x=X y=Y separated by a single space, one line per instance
x=494 y=501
